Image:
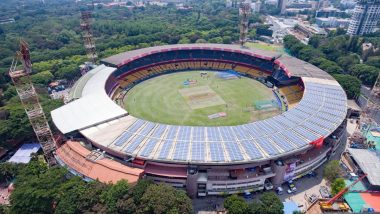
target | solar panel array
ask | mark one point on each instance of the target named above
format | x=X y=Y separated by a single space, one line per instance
x=319 y=113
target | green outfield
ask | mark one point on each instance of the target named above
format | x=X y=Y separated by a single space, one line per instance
x=166 y=99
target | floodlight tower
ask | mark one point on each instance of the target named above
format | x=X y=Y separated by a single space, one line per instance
x=244 y=12
x=30 y=102
x=89 y=42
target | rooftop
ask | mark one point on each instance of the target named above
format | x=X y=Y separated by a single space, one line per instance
x=72 y=153
x=369 y=162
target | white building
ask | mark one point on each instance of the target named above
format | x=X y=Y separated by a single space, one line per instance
x=365 y=17
x=332 y=22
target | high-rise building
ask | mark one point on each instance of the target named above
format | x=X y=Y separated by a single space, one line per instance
x=365 y=17
x=282 y=6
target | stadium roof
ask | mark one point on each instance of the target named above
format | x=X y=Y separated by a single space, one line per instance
x=319 y=113
x=94 y=106
x=321 y=110
x=76 y=90
x=23 y=154
x=369 y=162
x=103 y=169
x=292 y=65
x=123 y=58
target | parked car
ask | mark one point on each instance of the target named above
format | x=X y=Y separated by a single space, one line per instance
x=291 y=186
x=311 y=174
x=279 y=190
x=268 y=185
x=248 y=195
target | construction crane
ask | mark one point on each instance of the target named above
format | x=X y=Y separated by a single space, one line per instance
x=29 y=99
x=329 y=205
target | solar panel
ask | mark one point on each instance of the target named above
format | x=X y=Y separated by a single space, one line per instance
x=295 y=139
x=282 y=142
x=251 y=149
x=123 y=138
x=184 y=133
x=159 y=131
x=283 y=121
x=227 y=133
x=305 y=133
x=198 y=151
x=135 y=142
x=149 y=146
x=213 y=134
x=149 y=126
x=234 y=151
x=315 y=128
x=172 y=132
x=135 y=126
x=241 y=133
x=181 y=150
x=267 y=146
x=165 y=149
x=198 y=134
x=216 y=151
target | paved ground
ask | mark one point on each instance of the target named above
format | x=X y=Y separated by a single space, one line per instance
x=305 y=186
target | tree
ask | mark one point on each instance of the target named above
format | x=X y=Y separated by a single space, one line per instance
x=315 y=40
x=8 y=171
x=347 y=61
x=272 y=203
x=139 y=189
x=42 y=78
x=115 y=192
x=367 y=74
x=307 y=53
x=256 y=208
x=337 y=186
x=350 y=84
x=236 y=205
x=373 y=61
x=326 y=65
x=162 y=198
x=36 y=188
x=331 y=170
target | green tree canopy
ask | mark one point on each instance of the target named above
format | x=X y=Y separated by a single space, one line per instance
x=236 y=205
x=42 y=78
x=331 y=170
x=161 y=198
x=350 y=84
x=337 y=185
x=366 y=73
x=347 y=61
x=271 y=202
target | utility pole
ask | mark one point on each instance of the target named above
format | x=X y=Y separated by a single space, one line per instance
x=29 y=99
x=244 y=12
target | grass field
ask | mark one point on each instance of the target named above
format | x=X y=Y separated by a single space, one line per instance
x=165 y=99
x=265 y=46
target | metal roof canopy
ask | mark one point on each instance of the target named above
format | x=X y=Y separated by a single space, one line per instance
x=94 y=107
x=369 y=162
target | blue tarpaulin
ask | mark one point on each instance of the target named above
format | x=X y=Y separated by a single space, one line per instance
x=290 y=207
x=23 y=154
